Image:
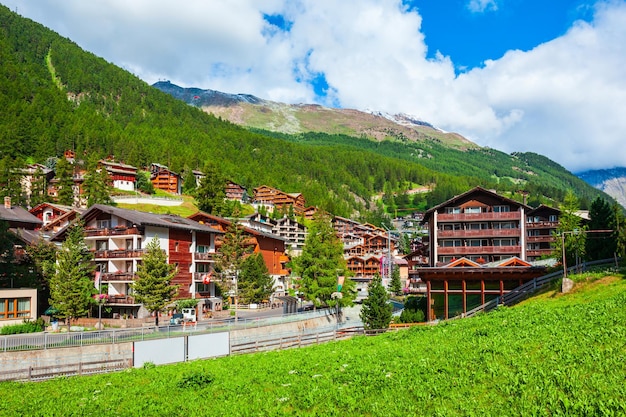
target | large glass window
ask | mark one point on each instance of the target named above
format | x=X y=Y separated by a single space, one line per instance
x=473 y=210
x=11 y=308
x=501 y=209
x=453 y=210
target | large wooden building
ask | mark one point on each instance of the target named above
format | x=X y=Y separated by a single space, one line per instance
x=279 y=199
x=117 y=237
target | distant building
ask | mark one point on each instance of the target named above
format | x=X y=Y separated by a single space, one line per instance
x=164 y=179
x=279 y=199
x=123 y=177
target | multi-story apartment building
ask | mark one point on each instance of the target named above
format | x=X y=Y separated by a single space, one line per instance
x=541 y=224
x=270 y=246
x=117 y=238
x=479 y=225
x=294 y=232
x=235 y=191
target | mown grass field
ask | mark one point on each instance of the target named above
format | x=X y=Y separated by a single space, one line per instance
x=551 y=355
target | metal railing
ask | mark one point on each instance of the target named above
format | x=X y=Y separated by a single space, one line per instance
x=50 y=340
x=518 y=294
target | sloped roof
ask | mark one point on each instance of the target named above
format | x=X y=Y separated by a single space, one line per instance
x=468 y=195
x=18 y=215
x=139 y=218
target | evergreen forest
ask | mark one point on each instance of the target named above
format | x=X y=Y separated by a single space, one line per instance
x=55 y=96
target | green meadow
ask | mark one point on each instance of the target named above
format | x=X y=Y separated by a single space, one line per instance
x=555 y=354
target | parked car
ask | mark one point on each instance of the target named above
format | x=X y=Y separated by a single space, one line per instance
x=176 y=319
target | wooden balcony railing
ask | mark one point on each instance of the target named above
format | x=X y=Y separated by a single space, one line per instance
x=119 y=254
x=478 y=250
x=114 y=231
x=538 y=252
x=478 y=233
x=204 y=256
x=117 y=277
x=542 y=225
x=467 y=217
x=121 y=299
x=542 y=238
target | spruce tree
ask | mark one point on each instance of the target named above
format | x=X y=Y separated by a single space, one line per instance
x=212 y=191
x=71 y=286
x=601 y=217
x=321 y=264
x=376 y=312
x=97 y=185
x=153 y=286
x=255 y=283
x=395 y=286
x=64 y=173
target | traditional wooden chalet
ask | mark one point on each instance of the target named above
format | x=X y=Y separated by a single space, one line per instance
x=235 y=191
x=463 y=284
x=123 y=177
x=270 y=246
x=477 y=225
x=118 y=237
x=279 y=199
x=48 y=212
x=164 y=179
x=541 y=224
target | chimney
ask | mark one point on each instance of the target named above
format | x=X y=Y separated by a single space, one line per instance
x=7 y=202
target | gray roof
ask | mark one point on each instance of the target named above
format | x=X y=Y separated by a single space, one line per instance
x=17 y=215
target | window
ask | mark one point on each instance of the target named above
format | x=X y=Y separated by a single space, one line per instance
x=203 y=267
x=504 y=242
x=11 y=308
x=103 y=224
x=450 y=243
x=202 y=249
x=553 y=218
x=129 y=244
x=478 y=242
x=473 y=210
x=453 y=210
x=102 y=245
x=501 y=209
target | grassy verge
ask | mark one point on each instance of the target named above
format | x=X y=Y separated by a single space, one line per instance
x=553 y=354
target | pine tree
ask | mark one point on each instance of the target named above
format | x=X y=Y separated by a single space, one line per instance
x=212 y=191
x=231 y=257
x=97 y=185
x=601 y=217
x=570 y=230
x=71 y=286
x=64 y=173
x=189 y=182
x=153 y=286
x=395 y=286
x=376 y=312
x=255 y=283
x=38 y=188
x=321 y=263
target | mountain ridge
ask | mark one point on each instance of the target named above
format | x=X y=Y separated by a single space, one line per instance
x=254 y=112
x=612 y=181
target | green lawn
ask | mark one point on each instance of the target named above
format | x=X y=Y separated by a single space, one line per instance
x=554 y=354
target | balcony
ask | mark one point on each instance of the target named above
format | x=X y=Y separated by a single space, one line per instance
x=200 y=276
x=479 y=250
x=119 y=254
x=478 y=233
x=539 y=239
x=542 y=225
x=537 y=253
x=473 y=217
x=117 y=277
x=121 y=299
x=204 y=256
x=114 y=231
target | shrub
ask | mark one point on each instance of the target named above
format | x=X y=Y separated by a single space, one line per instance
x=27 y=326
x=195 y=379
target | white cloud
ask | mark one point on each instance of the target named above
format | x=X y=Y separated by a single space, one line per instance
x=481 y=6
x=564 y=99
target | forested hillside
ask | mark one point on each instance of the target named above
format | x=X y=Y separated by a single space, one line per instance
x=55 y=96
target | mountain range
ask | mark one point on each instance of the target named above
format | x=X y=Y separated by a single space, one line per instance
x=254 y=112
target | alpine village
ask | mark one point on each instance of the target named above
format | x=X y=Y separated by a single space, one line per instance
x=127 y=208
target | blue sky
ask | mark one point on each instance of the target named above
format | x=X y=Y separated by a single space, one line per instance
x=515 y=75
x=472 y=32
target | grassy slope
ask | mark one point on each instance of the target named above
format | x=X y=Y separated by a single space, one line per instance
x=552 y=355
